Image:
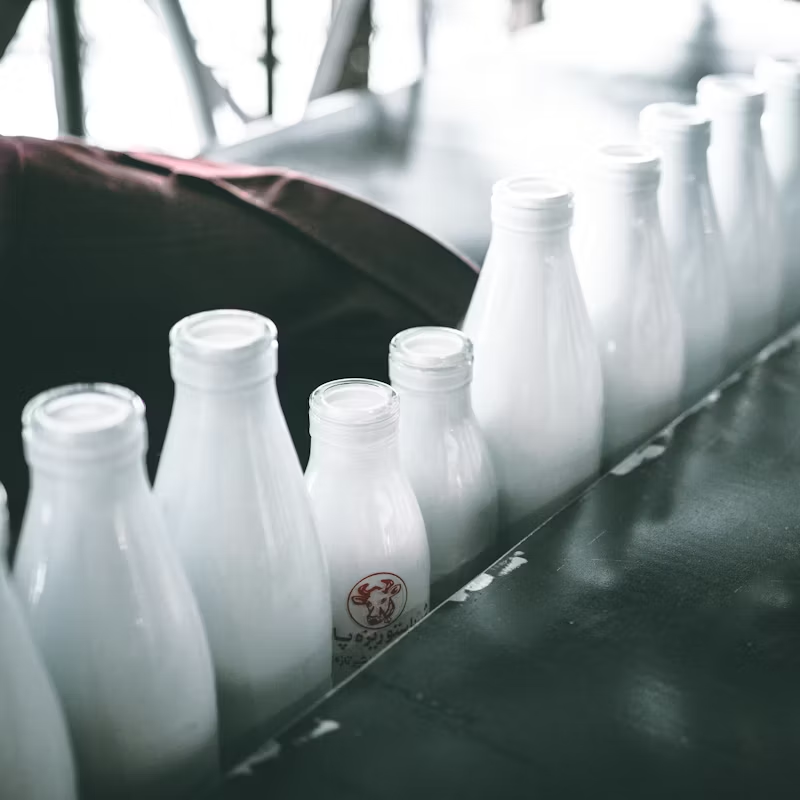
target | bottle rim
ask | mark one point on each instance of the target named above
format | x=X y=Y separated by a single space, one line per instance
x=532 y=191
x=679 y=118
x=354 y=403
x=730 y=92
x=223 y=335
x=85 y=421
x=430 y=358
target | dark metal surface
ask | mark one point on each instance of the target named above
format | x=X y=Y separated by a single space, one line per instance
x=648 y=647
x=65 y=53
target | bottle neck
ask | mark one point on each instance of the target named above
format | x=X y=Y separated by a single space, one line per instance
x=378 y=456
x=684 y=160
x=535 y=245
x=257 y=399
x=449 y=407
x=610 y=199
x=736 y=131
x=97 y=482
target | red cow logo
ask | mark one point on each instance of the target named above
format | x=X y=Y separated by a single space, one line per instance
x=377 y=600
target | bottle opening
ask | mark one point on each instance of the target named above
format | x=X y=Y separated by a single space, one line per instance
x=354 y=401
x=354 y=411
x=629 y=157
x=532 y=191
x=223 y=349
x=734 y=92
x=430 y=358
x=85 y=421
x=673 y=116
x=531 y=203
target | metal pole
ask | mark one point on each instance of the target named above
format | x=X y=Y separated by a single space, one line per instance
x=65 y=55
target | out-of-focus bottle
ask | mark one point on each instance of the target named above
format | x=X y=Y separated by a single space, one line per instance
x=369 y=520
x=238 y=512
x=624 y=271
x=444 y=452
x=694 y=240
x=747 y=207
x=781 y=133
x=537 y=389
x=108 y=603
x=35 y=754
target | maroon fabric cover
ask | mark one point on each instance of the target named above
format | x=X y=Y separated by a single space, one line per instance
x=101 y=252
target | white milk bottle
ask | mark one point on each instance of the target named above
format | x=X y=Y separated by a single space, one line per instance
x=35 y=754
x=537 y=388
x=781 y=133
x=444 y=452
x=108 y=603
x=624 y=271
x=232 y=491
x=694 y=240
x=747 y=207
x=369 y=519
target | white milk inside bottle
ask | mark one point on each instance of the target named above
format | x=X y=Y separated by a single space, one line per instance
x=233 y=494
x=444 y=452
x=368 y=517
x=747 y=207
x=108 y=603
x=694 y=240
x=537 y=389
x=781 y=133
x=35 y=754
x=624 y=271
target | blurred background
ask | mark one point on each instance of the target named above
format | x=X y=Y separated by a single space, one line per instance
x=392 y=99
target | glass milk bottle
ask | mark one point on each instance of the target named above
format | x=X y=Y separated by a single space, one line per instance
x=35 y=755
x=781 y=133
x=232 y=490
x=369 y=519
x=444 y=453
x=747 y=208
x=624 y=271
x=537 y=389
x=694 y=241
x=108 y=603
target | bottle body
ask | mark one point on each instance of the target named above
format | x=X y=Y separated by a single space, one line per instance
x=35 y=752
x=747 y=208
x=624 y=271
x=444 y=453
x=537 y=387
x=114 y=617
x=781 y=136
x=232 y=491
x=375 y=542
x=694 y=241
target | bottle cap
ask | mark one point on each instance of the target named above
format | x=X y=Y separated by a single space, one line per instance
x=430 y=359
x=670 y=123
x=720 y=95
x=354 y=411
x=84 y=422
x=223 y=350
x=531 y=203
x=779 y=75
x=631 y=167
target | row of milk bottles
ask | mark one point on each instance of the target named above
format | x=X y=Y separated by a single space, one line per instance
x=212 y=608
x=205 y=612
x=686 y=263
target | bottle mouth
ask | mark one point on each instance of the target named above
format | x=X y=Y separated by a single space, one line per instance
x=430 y=359
x=224 y=348
x=531 y=202
x=354 y=410
x=84 y=421
x=631 y=166
x=779 y=73
x=680 y=118
x=732 y=93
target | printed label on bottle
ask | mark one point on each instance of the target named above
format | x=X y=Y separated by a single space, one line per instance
x=377 y=614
